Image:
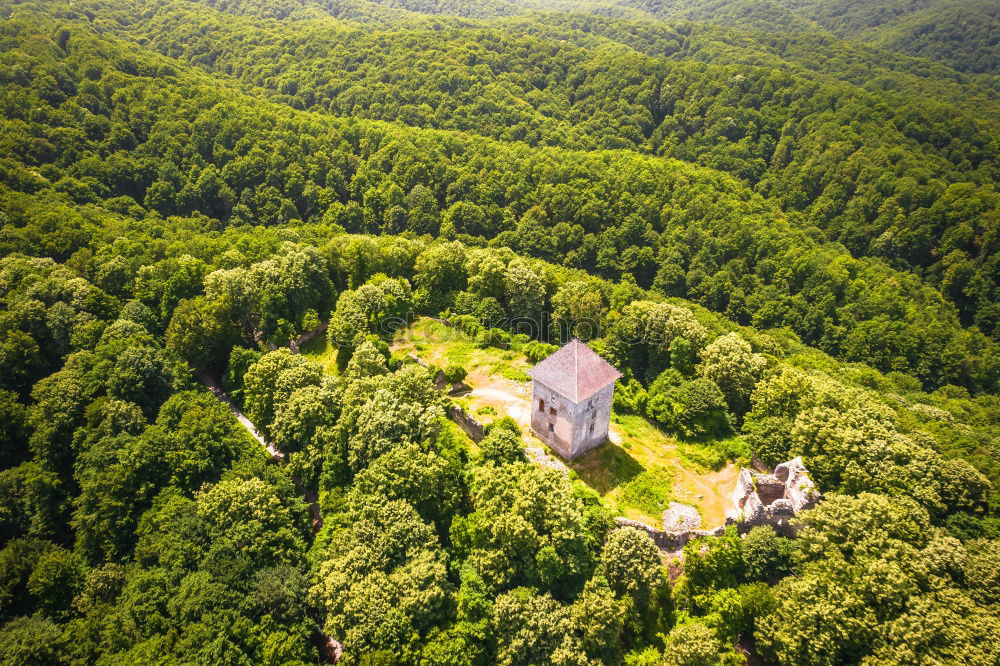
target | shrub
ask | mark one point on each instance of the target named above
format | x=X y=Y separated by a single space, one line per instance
x=694 y=409
x=454 y=374
x=493 y=337
x=538 y=351
x=467 y=324
x=630 y=398
x=503 y=423
x=502 y=447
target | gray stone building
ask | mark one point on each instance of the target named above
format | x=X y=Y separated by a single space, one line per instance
x=571 y=394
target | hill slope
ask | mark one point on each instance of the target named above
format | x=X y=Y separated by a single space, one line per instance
x=686 y=230
x=887 y=173
x=166 y=209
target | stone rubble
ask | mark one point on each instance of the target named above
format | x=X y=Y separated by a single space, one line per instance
x=759 y=499
x=681 y=518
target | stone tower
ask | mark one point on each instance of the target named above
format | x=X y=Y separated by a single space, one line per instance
x=571 y=394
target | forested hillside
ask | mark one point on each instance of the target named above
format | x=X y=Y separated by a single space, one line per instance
x=784 y=255
x=963 y=35
x=883 y=172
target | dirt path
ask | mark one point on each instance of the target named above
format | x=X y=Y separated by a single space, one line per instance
x=213 y=386
x=310 y=497
x=711 y=492
x=505 y=403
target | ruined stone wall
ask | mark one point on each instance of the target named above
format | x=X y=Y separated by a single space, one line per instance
x=465 y=421
x=759 y=499
x=669 y=541
x=800 y=489
x=774 y=499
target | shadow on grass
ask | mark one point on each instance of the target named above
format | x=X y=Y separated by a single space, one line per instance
x=314 y=347
x=606 y=467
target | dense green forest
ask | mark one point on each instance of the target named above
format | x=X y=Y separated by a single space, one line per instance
x=788 y=241
x=962 y=35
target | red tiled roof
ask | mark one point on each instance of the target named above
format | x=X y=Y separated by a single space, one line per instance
x=575 y=371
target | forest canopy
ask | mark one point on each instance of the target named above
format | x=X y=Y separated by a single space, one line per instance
x=785 y=240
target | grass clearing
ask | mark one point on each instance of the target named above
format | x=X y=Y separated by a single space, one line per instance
x=714 y=455
x=650 y=492
x=319 y=350
x=443 y=345
x=638 y=473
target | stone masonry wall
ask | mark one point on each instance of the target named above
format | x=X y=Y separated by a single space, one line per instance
x=568 y=431
x=465 y=421
x=551 y=419
x=759 y=499
x=669 y=541
x=590 y=420
x=774 y=499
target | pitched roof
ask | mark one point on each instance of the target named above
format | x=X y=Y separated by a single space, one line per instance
x=575 y=371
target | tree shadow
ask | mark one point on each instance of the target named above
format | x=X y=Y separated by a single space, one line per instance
x=606 y=467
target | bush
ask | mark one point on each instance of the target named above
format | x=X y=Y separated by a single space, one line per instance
x=467 y=324
x=502 y=447
x=694 y=409
x=702 y=455
x=519 y=340
x=538 y=351
x=630 y=398
x=454 y=374
x=493 y=337
x=767 y=556
x=310 y=320
x=735 y=449
x=503 y=423
x=400 y=358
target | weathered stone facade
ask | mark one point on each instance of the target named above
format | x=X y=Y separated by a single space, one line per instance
x=774 y=499
x=473 y=428
x=570 y=428
x=669 y=540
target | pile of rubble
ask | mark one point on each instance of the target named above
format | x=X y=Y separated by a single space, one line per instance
x=681 y=517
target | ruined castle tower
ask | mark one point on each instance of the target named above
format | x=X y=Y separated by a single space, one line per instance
x=571 y=394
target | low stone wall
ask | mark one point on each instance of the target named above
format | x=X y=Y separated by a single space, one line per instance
x=297 y=343
x=472 y=427
x=669 y=541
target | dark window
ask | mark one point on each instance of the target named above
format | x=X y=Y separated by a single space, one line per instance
x=541 y=405
x=552 y=411
x=552 y=428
